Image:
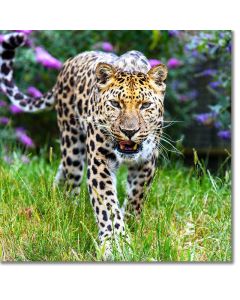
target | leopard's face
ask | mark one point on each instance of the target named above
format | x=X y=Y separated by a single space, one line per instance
x=131 y=107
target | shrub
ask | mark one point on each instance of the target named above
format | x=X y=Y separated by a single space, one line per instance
x=189 y=55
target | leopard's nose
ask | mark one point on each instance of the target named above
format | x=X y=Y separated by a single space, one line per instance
x=129 y=133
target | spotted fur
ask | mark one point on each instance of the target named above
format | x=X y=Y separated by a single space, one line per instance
x=102 y=101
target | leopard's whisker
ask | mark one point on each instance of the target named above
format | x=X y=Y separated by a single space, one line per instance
x=167 y=137
x=162 y=151
x=175 y=150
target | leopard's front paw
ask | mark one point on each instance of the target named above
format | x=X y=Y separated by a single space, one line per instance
x=117 y=248
x=106 y=251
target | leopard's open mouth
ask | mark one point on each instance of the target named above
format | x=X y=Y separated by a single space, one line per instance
x=128 y=147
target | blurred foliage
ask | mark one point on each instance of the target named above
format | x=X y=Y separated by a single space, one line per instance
x=196 y=52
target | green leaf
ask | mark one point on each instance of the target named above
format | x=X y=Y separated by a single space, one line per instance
x=156 y=36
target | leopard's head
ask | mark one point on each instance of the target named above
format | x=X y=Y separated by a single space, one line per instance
x=131 y=106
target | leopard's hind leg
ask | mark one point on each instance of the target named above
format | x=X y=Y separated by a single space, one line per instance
x=72 y=133
x=73 y=150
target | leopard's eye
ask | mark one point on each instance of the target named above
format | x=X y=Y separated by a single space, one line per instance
x=115 y=104
x=145 y=105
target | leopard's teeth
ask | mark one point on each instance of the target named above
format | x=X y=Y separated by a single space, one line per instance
x=135 y=147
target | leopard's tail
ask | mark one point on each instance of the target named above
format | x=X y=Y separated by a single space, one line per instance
x=7 y=53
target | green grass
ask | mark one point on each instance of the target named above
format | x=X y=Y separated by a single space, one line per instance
x=186 y=217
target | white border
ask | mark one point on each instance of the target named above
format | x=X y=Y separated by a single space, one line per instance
x=120 y=14
x=141 y=281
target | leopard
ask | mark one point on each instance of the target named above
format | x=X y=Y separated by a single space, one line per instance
x=109 y=112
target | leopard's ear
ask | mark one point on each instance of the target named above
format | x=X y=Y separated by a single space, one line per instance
x=158 y=74
x=104 y=74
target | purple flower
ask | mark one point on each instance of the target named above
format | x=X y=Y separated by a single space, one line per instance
x=25 y=159
x=1 y=38
x=183 y=98
x=174 y=63
x=175 y=84
x=3 y=103
x=224 y=134
x=154 y=62
x=218 y=124
x=20 y=130
x=221 y=35
x=193 y=44
x=191 y=95
x=214 y=84
x=196 y=54
x=174 y=33
x=32 y=91
x=208 y=72
x=14 y=109
x=207 y=36
x=4 y=120
x=47 y=60
x=106 y=46
x=29 y=43
x=206 y=118
x=27 y=32
x=24 y=138
x=229 y=47
x=8 y=159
